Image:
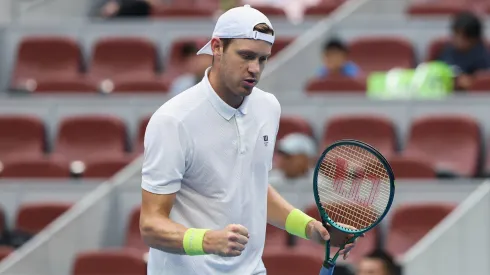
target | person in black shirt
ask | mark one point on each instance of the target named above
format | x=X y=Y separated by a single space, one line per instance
x=467 y=51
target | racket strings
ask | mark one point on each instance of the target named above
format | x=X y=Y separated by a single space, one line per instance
x=371 y=164
x=353 y=186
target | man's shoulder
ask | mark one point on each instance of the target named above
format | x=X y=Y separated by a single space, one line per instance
x=182 y=104
x=266 y=98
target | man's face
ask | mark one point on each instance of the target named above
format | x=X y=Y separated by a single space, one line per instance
x=371 y=267
x=242 y=64
x=334 y=59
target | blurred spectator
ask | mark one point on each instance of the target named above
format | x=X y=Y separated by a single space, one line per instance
x=336 y=60
x=377 y=262
x=467 y=51
x=296 y=157
x=196 y=66
x=126 y=8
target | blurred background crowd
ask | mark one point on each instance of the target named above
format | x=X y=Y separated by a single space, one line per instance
x=80 y=80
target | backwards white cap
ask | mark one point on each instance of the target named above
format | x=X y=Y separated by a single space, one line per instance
x=239 y=22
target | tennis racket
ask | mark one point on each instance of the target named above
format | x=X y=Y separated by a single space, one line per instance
x=354 y=188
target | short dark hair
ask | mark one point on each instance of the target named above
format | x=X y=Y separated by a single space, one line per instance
x=335 y=44
x=468 y=24
x=263 y=28
x=386 y=258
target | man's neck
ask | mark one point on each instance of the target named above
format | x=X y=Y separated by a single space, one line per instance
x=226 y=95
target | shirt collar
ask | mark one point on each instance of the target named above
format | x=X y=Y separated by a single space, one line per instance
x=225 y=110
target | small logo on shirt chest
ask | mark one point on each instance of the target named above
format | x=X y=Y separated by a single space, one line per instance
x=266 y=140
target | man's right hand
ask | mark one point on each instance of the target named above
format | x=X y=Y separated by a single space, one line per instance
x=228 y=242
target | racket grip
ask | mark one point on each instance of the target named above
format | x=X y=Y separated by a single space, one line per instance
x=327 y=271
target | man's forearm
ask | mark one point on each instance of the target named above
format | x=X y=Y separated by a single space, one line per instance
x=278 y=208
x=163 y=234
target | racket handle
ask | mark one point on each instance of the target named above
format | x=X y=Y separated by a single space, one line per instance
x=327 y=271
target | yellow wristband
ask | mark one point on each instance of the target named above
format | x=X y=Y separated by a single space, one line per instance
x=192 y=243
x=296 y=223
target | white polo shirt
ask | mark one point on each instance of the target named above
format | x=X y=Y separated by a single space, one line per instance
x=217 y=158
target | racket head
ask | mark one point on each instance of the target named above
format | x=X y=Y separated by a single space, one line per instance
x=324 y=183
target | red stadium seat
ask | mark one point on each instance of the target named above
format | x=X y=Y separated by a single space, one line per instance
x=138 y=147
x=323 y=8
x=434 y=8
x=270 y=10
x=133 y=235
x=64 y=85
x=87 y=136
x=481 y=83
x=411 y=168
x=3 y=226
x=451 y=143
x=46 y=56
x=5 y=251
x=293 y=124
x=436 y=47
x=110 y=262
x=182 y=11
x=120 y=57
x=34 y=167
x=411 y=222
x=374 y=130
x=336 y=84
x=275 y=237
x=279 y=44
x=104 y=167
x=34 y=217
x=381 y=53
x=138 y=84
x=25 y=136
x=281 y=261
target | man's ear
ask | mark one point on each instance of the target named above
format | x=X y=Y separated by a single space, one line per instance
x=216 y=46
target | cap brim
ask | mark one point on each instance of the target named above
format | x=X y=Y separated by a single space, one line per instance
x=206 y=49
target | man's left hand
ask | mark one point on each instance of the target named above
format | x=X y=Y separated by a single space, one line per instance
x=316 y=232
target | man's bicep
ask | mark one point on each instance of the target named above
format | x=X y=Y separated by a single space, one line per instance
x=164 y=155
x=156 y=204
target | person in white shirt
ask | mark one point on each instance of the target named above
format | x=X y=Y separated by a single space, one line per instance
x=205 y=193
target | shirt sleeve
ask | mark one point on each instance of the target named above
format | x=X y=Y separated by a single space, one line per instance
x=165 y=155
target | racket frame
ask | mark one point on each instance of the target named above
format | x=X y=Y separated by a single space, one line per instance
x=328 y=263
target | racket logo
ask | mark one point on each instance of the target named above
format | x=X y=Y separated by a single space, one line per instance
x=348 y=182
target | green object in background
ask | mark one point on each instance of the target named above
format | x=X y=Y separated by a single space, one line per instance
x=431 y=80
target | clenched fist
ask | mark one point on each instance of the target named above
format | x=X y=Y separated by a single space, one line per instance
x=228 y=242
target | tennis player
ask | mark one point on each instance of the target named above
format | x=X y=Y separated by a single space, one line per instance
x=208 y=151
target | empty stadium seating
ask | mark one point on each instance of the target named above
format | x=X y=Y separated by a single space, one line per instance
x=293 y=124
x=280 y=261
x=34 y=217
x=410 y=223
x=110 y=262
x=372 y=129
x=25 y=136
x=450 y=143
x=411 y=168
x=35 y=167
x=90 y=136
x=336 y=84
x=46 y=57
x=382 y=53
